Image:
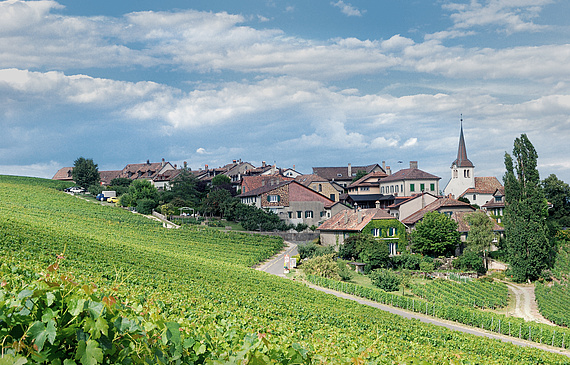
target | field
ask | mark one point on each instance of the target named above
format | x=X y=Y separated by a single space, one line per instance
x=193 y=292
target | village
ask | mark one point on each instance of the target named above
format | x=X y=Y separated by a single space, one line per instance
x=343 y=200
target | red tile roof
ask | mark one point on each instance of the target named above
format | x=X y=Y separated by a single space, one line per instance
x=484 y=185
x=371 y=179
x=63 y=174
x=250 y=183
x=351 y=220
x=341 y=173
x=435 y=206
x=463 y=226
x=410 y=174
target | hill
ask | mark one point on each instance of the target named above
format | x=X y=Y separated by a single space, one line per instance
x=198 y=280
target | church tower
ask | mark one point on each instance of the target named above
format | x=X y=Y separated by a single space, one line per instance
x=462 y=171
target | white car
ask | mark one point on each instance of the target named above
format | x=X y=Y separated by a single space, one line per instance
x=76 y=190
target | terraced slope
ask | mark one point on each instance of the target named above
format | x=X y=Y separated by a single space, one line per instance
x=199 y=276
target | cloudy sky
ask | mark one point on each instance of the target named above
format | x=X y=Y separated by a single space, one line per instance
x=304 y=83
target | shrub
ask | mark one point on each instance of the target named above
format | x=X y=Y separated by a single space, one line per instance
x=145 y=206
x=470 y=261
x=300 y=227
x=323 y=266
x=386 y=280
x=311 y=250
x=426 y=266
x=408 y=261
x=344 y=271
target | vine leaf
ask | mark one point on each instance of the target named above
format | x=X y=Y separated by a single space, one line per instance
x=89 y=353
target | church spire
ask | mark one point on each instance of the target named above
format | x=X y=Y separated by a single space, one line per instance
x=462 y=160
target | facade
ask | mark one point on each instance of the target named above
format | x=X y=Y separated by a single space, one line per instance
x=369 y=184
x=376 y=222
x=321 y=185
x=495 y=207
x=291 y=201
x=463 y=183
x=403 y=208
x=410 y=181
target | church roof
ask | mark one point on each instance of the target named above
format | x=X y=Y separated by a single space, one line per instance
x=462 y=160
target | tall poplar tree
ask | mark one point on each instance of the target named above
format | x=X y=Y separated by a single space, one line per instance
x=527 y=242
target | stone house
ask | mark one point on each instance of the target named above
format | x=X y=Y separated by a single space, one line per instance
x=331 y=190
x=410 y=181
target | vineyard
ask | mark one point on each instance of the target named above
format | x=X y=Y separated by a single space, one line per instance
x=474 y=293
x=127 y=289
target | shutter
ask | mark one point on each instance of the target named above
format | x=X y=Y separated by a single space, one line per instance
x=278 y=198
x=268 y=198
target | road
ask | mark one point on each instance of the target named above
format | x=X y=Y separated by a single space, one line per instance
x=275 y=266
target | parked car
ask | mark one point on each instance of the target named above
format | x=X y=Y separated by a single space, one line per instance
x=113 y=199
x=76 y=190
x=101 y=197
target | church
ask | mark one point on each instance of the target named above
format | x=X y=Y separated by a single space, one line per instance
x=464 y=184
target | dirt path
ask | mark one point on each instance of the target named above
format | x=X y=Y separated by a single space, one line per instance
x=525 y=303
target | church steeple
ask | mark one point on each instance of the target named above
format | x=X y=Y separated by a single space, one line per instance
x=462 y=160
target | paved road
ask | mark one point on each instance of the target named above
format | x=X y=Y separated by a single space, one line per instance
x=275 y=266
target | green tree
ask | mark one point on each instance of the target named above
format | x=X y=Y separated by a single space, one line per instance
x=435 y=235
x=188 y=188
x=221 y=180
x=480 y=231
x=218 y=203
x=557 y=192
x=359 y=174
x=528 y=246
x=85 y=172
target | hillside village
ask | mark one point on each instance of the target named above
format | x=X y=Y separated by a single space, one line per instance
x=344 y=199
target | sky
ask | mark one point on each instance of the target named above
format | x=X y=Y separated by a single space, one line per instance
x=296 y=83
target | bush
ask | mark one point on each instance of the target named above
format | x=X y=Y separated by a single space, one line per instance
x=386 y=280
x=426 y=266
x=145 y=206
x=470 y=261
x=323 y=266
x=300 y=227
x=408 y=261
x=311 y=250
x=344 y=271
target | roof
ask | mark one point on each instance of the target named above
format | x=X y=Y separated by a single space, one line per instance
x=410 y=174
x=463 y=226
x=250 y=183
x=309 y=179
x=398 y=201
x=462 y=160
x=341 y=173
x=353 y=220
x=375 y=176
x=65 y=173
x=264 y=189
x=107 y=176
x=435 y=206
x=369 y=197
x=484 y=185
x=167 y=175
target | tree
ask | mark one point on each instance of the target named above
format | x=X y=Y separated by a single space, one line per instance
x=528 y=246
x=143 y=192
x=557 y=192
x=480 y=231
x=221 y=180
x=188 y=188
x=359 y=174
x=85 y=172
x=435 y=235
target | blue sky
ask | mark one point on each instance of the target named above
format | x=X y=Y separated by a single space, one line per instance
x=298 y=83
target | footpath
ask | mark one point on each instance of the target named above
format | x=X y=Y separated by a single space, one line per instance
x=275 y=266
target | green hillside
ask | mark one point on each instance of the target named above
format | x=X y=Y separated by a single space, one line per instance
x=199 y=280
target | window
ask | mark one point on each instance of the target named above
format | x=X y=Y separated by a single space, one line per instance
x=474 y=197
x=273 y=198
x=323 y=213
x=376 y=232
x=299 y=214
x=422 y=187
x=364 y=188
x=308 y=214
x=290 y=214
x=455 y=174
x=382 y=190
x=391 y=188
x=431 y=187
x=320 y=188
x=332 y=197
x=339 y=175
x=498 y=199
x=412 y=187
x=396 y=189
x=392 y=232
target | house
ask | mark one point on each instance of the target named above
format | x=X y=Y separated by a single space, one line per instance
x=463 y=183
x=147 y=171
x=366 y=201
x=374 y=221
x=107 y=176
x=368 y=184
x=291 y=201
x=344 y=175
x=162 y=181
x=250 y=183
x=464 y=228
x=445 y=205
x=403 y=207
x=331 y=190
x=410 y=181
x=290 y=173
x=64 y=174
x=495 y=207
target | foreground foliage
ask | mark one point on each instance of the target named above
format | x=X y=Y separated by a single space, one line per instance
x=193 y=277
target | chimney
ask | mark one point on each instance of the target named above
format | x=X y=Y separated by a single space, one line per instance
x=148 y=162
x=162 y=163
x=234 y=161
x=174 y=166
x=206 y=167
x=388 y=171
x=349 y=170
x=384 y=165
x=185 y=165
x=263 y=163
x=413 y=164
x=293 y=167
x=273 y=169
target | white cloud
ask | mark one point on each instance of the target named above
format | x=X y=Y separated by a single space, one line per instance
x=347 y=8
x=381 y=142
x=512 y=16
x=45 y=170
x=411 y=142
x=201 y=151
